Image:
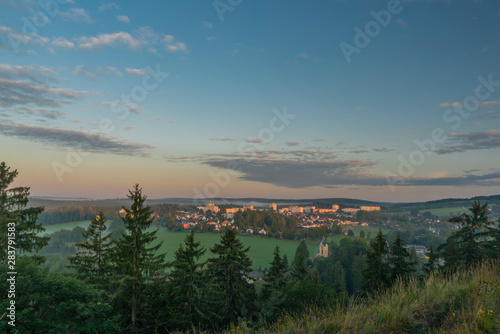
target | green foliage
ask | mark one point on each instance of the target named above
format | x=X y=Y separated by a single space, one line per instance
x=16 y=220
x=476 y=240
x=49 y=303
x=229 y=270
x=92 y=262
x=272 y=291
x=376 y=275
x=136 y=263
x=400 y=262
x=188 y=284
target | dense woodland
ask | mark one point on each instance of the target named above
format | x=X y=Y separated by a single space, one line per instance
x=123 y=285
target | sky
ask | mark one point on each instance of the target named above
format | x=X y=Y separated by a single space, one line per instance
x=377 y=100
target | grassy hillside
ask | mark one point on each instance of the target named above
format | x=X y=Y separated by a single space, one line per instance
x=467 y=302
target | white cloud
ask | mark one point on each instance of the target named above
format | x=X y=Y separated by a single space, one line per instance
x=62 y=42
x=107 y=6
x=136 y=71
x=114 y=39
x=450 y=104
x=123 y=18
x=208 y=25
x=179 y=46
x=79 y=15
x=168 y=39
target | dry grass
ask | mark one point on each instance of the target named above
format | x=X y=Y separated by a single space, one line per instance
x=467 y=302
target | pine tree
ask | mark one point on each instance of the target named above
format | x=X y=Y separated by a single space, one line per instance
x=339 y=285
x=299 y=269
x=470 y=236
x=474 y=241
x=376 y=274
x=285 y=260
x=92 y=262
x=275 y=278
x=430 y=266
x=136 y=261
x=399 y=261
x=188 y=284
x=272 y=291
x=16 y=220
x=229 y=270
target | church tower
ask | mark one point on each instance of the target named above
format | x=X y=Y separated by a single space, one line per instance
x=323 y=248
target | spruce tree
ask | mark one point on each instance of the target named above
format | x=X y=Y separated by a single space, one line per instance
x=300 y=268
x=18 y=222
x=430 y=266
x=272 y=296
x=474 y=241
x=376 y=274
x=472 y=235
x=92 y=261
x=399 y=261
x=229 y=271
x=136 y=261
x=275 y=278
x=339 y=285
x=188 y=283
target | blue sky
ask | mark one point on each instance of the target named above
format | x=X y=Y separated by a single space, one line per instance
x=284 y=99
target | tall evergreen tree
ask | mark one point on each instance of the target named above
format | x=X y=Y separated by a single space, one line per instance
x=339 y=285
x=272 y=296
x=229 y=270
x=275 y=278
x=430 y=266
x=18 y=220
x=376 y=274
x=399 y=261
x=92 y=261
x=471 y=236
x=474 y=241
x=188 y=284
x=451 y=253
x=136 y=261
x=300 y=268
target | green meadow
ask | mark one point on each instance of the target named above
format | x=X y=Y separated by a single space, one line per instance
x=261 y=249
x=443 y=212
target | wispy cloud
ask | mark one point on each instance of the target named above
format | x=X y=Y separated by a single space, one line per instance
x=62 y=42
x=123 y=18
x=223 y=139
x=22 y=92
x=450 y=104
x=78 y=15
x=75 y=140
x=292 y=143
x=136 y=71
x=461 y=142
x=108 y=6
x=383 y=149
x=33 y=72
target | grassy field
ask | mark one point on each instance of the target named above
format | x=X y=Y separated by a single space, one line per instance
x=261 y=249
x=65 y=226
x=442 y=212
